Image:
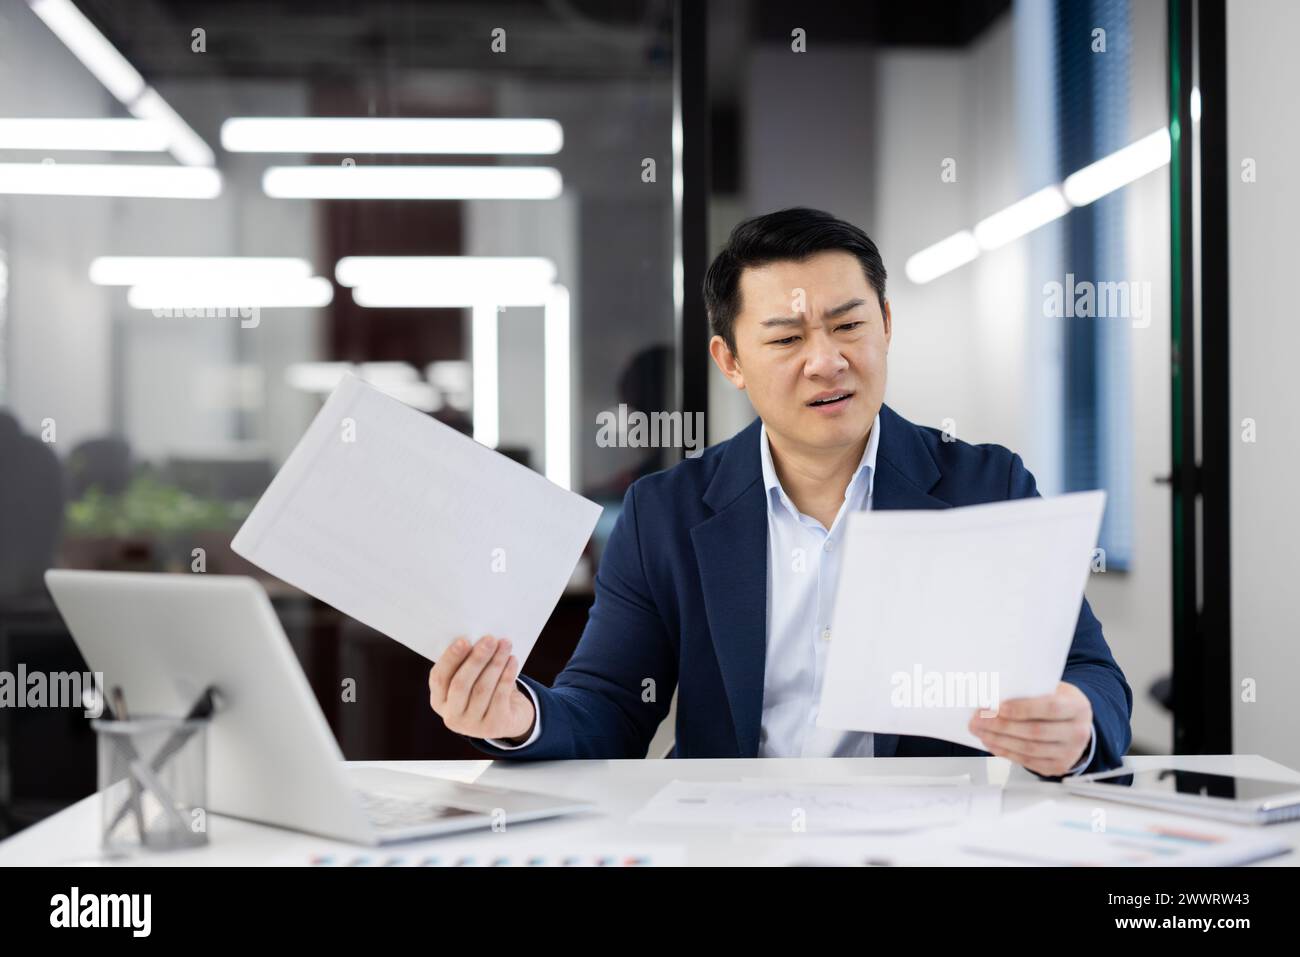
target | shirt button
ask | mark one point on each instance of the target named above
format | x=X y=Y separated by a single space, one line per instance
x=828 y=546
x=826 y=634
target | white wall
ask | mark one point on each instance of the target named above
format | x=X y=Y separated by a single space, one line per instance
x=1263 y=76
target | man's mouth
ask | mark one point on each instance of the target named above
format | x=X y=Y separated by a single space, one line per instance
x=830 y=398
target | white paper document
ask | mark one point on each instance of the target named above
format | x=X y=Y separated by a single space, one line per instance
x=1055 y=833
x=414 y=529
x=942 y=613
x=777 y=807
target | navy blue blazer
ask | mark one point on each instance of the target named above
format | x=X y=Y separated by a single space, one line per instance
x=681 y=600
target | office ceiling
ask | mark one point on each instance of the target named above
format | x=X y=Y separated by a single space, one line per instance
x=337 y=39
x=371 y=39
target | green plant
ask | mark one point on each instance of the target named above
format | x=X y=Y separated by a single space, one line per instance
x=150 y=507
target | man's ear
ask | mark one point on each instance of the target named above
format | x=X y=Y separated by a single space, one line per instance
x=889 y=325
x=726 y=361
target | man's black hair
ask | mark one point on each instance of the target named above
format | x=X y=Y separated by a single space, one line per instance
x=796 y=234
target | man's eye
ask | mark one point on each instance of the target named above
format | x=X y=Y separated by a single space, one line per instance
x=783 y=342
x=850 y=325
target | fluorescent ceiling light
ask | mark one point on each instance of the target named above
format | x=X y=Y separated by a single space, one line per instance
x=316 y=377
x=1079 y=189
x=490 y=271
x=1021 y=217
x=138 y=270
x=483 y=363
x=246 y=134
x=944 y=256
x=186 y=145
x=412 y=182
x=1118 y=169
x=397 y=379
x=90 y=47
x=447 y=281
x=121 y=79
x=307 y=293
x=559 y=389
x=108 y=135
x=102 y=179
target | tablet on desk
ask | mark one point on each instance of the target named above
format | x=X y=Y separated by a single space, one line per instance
x=1226 y=797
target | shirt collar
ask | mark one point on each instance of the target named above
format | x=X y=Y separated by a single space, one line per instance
x=865 y=471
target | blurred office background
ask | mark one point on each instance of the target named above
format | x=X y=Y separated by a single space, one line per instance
x=650 y=128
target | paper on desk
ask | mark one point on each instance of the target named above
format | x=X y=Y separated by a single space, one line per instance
x=939 y=613
x=1056 y=833
x=778 y=807
x=414 y=529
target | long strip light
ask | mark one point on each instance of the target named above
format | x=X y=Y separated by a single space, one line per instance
x=309 y=293
x=446 y=281
x=397 y=379
x=944 y=256
x=484 y=363
x=152 y=270
x=1080 y=188
x=102 y=134
x=90 y=47
x=121 y=79
x=1020 y=218
x=1118 y=169
x=412 y=182
x=104 y=179
x=246 y=134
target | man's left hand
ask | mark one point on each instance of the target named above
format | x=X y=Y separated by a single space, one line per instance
x=1048 y=734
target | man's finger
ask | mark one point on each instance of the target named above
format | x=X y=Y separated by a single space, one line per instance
x=1027 y=730
x=444 y=669
x=468 y=672
x=1033 y=749
x=481 y=696
x=1049 y=707
x=505 y=687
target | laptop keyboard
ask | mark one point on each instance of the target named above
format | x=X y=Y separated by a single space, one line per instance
x=390 y=812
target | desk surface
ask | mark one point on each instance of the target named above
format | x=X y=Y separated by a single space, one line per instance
x=618 y=787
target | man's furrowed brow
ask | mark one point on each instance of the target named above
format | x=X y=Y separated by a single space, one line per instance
x=782 y=321
x=844 y=307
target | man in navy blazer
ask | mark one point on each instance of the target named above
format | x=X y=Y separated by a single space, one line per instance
x=692 y=591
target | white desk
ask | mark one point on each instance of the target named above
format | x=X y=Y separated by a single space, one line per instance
x=619 y=787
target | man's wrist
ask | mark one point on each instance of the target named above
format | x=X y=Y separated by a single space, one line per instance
x=521 y=738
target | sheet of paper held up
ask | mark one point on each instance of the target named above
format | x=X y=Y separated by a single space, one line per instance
x=938 y=613
x=414 y=529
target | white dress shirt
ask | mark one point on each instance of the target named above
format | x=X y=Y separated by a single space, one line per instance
x=803 y=567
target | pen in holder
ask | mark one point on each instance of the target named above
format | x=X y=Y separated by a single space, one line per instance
x=153 y=780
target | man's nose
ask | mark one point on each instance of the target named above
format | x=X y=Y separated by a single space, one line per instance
x=824 y=360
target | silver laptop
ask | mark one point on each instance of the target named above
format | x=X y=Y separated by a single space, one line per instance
x=272 y=757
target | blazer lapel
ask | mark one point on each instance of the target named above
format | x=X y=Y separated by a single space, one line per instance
x=731 y=550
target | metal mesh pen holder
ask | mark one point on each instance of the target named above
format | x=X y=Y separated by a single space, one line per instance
x=153 y=783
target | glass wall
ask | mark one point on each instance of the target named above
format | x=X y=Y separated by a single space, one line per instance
x=210 y=211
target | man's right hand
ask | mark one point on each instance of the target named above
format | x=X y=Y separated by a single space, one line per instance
x=473 y=690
